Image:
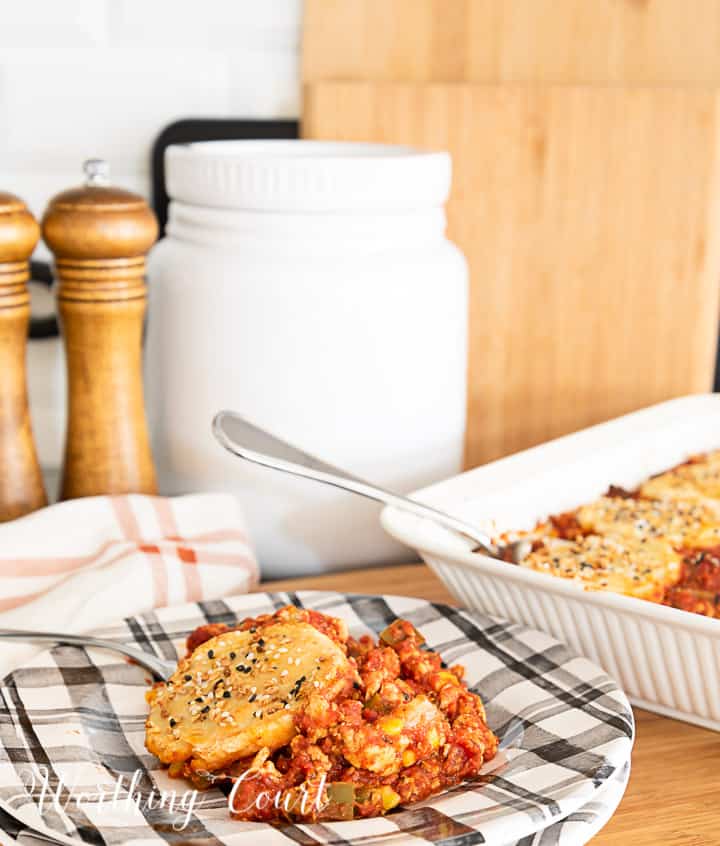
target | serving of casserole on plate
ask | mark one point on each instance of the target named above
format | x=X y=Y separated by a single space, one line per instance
x=78 y=718
x=298 y=721
x=625 y=519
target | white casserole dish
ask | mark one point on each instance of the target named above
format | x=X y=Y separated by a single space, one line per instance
x=666 y=660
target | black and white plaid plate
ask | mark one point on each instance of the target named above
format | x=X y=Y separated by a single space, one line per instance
x=74 y=759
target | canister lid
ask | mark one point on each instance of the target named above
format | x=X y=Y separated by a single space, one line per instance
x=97 y=220
x=19 y=231
x=306 y=176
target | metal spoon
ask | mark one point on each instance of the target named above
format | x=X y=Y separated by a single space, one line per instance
x=159 y=667
x=247 y=441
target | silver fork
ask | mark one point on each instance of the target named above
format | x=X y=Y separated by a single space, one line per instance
x=159 y=667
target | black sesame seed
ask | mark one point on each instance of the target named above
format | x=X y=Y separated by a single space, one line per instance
x=357 y=685
x=173 y=723
x=187 y=677
x=211 y=654
x=232 y=655
x=226 y=694
x=253 y=697
x=205 y=709
x=261 y=642
x=198 y=699
x=246 y=670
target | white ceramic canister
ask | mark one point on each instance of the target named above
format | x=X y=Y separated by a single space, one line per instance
x=310 y=287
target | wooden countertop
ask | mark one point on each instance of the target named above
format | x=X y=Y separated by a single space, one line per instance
x=673 y=798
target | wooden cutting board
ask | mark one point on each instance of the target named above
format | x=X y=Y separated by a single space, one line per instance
x=576 y=41
x=590 y=219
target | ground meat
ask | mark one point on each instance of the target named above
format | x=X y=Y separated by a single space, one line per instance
x=566 y=525
x=406 y=730
x=204 y=633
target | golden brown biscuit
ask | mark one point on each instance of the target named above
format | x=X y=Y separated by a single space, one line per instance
x=682 y=523
x=239 y=692
x=633 y=568
x=696 y=481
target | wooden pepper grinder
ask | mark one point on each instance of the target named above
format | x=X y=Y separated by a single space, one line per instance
x=21 y=484
x=99 y=236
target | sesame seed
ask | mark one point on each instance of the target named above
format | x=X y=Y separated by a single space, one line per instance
x=173 y=723
x=211 y=654
x=284 y=673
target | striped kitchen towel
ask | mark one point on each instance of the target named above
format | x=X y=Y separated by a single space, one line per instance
x=79 y=565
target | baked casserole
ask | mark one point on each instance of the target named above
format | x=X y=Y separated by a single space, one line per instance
x=659 y=542
x=295 y=720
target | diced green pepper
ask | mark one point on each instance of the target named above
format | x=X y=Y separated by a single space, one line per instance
x=341 y=801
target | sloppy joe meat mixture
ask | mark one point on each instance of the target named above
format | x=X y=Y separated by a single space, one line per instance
x=394 y=725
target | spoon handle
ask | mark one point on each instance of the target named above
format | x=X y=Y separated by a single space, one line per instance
x=247 y=441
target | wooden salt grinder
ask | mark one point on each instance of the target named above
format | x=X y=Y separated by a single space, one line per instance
x=99 y=236
x=21 y=484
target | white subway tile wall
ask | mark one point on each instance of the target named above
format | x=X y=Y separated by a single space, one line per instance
x=83 y=78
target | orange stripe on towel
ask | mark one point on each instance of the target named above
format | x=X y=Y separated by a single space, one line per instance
x=168 y=526
x=131 y=529
x=29 y=567
x=125 y=517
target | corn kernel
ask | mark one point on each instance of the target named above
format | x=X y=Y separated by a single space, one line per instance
x=408 y=758
x=389 y=797
x=444 y=677
x=391 y=725
x=433 y=738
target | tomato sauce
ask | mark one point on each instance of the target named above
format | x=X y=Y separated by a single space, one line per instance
x=407 y=730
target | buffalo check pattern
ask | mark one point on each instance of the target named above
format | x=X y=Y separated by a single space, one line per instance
x=72 y=732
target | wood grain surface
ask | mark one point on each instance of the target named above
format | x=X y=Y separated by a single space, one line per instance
x=21 y=484
x=576 y=41
x=99 y=236
x=672 y=797
x=589 y=216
